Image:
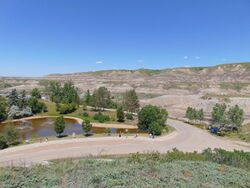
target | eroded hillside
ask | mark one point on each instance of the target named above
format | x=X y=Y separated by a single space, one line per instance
x=174 y=89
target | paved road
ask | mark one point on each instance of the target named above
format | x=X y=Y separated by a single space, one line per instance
x=185 y=138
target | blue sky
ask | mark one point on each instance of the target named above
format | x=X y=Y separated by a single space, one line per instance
x=38 y=37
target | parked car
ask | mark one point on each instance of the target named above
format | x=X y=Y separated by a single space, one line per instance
x=215 y=130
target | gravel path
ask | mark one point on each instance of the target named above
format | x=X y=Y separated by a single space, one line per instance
x=185 y=138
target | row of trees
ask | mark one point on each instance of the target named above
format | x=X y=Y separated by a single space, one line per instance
x=224 y=117
x=221 y=115
x=101 y=98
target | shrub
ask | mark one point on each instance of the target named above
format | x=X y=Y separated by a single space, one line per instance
x=66 y=108
x=85 y=114
x=108 y=131
x=37 y=106
x=129 y=116
x=15 y=112
x=101 y=118
x=3 y=142
x=11 y=134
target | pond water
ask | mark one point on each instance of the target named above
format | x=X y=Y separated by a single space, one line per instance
x=44 y=127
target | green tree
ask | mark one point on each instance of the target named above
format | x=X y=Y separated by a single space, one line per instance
x=236 y=116
x=190 y=113
x=200 y=114
x=131 y=101
x=120 y=114
x=194 y=114
x=69 y=93
x=13 y=98
x=155 y=128
x=23 y=102
x=55 y=91
x=3 y=108
x=59 y=125
x=36 y=93
x=101 y=98
x=219 y=114
x=129 y=116
x=36 y=106
x=151 y=114
x=86 y=126
x=87 y=98
x=11 y=134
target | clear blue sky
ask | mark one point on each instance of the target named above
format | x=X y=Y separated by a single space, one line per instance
x=38 y=37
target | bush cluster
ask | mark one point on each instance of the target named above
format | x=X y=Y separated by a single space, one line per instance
x=101 y=118
x=236 y=158
x=66 y=108
x=129 y=116
x=9 y=136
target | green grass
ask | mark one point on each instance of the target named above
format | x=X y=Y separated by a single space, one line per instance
x=51 y=109
x=175 y=169
x=79 y=114
x=242 y=134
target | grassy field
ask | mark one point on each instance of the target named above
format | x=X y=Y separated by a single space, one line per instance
x=79 y=114
x=175 y=169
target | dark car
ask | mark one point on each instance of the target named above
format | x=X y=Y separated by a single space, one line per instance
x=215 y=130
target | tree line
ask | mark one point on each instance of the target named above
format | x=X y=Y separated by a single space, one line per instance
x=222 y=116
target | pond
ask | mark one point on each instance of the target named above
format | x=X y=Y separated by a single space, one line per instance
x=44 y=127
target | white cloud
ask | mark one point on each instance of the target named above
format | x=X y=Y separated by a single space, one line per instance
x=99 y=62
x=186 y=66
x=197 y=57
x=185 y=57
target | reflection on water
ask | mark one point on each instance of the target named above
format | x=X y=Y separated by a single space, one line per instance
x=44 y=127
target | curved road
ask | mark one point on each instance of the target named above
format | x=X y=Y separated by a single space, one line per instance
x=185 y=138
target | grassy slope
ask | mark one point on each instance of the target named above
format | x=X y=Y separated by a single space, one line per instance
x=122 y=173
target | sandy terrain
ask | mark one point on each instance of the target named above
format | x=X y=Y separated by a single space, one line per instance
x=177 y=104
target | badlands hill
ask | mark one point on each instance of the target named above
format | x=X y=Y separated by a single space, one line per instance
x=174 y=89
x=161 y=81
